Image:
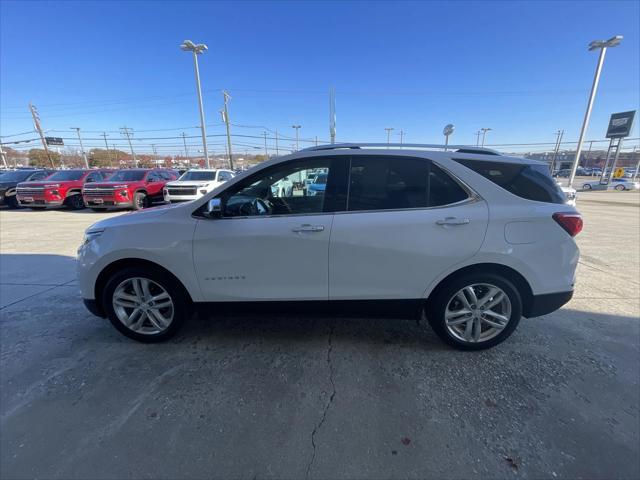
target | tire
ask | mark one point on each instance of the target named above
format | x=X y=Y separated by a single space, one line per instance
x=12 y=202
x=586 y=186
x=74 y=202
x=444 y=295
x=124 y=279
x=140 y=201
x=620 y=188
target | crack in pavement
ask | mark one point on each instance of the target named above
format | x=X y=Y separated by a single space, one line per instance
x=327 y=406
x=66 y=284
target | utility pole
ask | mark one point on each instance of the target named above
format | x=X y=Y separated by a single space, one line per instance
x=127 y=133
x=266 y=152
x=226 y=120
x=478 y=133
x=184 y=140
x=389 y=130
x=116 y=151
x=316 y=140
x=36 y=123
x=297 y=128
x=332 y=115
x=277 y=149
x=155 y=152
x=84 y=155
x=104 y=135
x=560 y=134
x=401 y=136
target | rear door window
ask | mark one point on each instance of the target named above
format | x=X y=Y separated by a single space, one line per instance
x=530 y=181
x=388 y=183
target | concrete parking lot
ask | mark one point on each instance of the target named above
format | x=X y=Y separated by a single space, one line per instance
x=284 y=397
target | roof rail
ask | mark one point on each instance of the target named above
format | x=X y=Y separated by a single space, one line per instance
x=410 y=146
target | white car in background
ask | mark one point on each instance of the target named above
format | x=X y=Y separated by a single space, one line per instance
x=619 y=184
x=570 y=194
x=195 y=183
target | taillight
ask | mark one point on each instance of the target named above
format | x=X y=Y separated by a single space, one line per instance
x=570 y=222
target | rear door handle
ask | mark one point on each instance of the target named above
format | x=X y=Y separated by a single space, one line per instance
x=453 y=221
x=308 y=228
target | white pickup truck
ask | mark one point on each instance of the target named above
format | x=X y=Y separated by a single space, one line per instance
x=195 y=183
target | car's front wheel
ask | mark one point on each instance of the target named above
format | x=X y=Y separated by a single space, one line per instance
x=475 y=311
x=145 y=304
x=74 y=202
x=619 y=187
x=586 y=186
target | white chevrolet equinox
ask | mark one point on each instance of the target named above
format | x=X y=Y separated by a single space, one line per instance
x=470 y=238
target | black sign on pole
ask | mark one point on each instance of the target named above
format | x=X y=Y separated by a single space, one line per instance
x=53 y=140
x=620 y=124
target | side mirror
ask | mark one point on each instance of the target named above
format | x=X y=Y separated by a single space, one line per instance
x=214 y=208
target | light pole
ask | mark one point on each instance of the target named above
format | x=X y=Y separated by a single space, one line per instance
x=189 y=46
x=297 y=127
x=448 y=130
x=484 y=134
x=478 y=133
x=389 y=130
x=602 y=45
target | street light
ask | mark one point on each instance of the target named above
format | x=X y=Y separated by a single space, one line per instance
x=484 y=134
x=448 y=130
x=297 y=127
x=602 y=45
x=189 y=46
x=389 y=130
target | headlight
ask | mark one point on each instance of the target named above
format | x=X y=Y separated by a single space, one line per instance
x=91 y=235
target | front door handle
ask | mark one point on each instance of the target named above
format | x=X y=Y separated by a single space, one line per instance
x=308 y=228
x=453 y=221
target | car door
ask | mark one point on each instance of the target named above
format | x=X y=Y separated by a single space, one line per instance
x=153 y=184
x=265 y=247
x=407 y=221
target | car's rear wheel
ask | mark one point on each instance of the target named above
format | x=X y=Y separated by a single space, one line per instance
x=475 y=311
x=74 y=202
x=619 y=187
x=140 y=201
x=145 y=304
x=586 y=186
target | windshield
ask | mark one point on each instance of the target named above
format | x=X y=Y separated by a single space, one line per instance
x=321 y=178
x=17 y=176
x=198 y=175
x=67 y=175
x=127 y=176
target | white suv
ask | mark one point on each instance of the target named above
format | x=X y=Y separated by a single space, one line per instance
x=195 y=183
x=474 y=239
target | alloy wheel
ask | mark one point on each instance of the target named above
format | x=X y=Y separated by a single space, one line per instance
x=477 y=313
x=143 y=306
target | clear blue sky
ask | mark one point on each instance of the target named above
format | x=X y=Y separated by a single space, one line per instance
x=521 y=68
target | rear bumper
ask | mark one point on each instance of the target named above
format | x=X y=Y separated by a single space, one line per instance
x=92 y=306
x=547 y=303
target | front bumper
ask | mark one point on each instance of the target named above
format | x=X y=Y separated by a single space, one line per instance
x=546 y=303
x=107 y=203
x=39 y=202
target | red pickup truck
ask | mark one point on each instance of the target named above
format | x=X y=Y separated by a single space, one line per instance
x=134 y=188
x=63 y=188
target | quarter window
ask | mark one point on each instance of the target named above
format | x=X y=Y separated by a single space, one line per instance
x=530 y=181
x=386 y=183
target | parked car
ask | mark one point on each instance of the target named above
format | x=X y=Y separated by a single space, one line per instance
x=318 y=186
x=136 y=189
x=195 y=183
x=282 y=188
x=474 y=239
x=63 y=188
x=616 y=184
x=570 y=195
x=9 y=180
x=565 y=173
